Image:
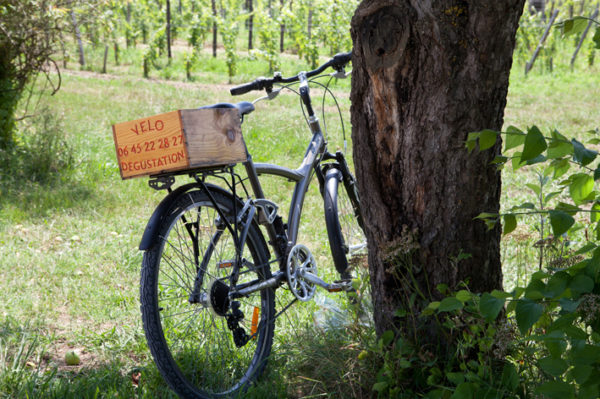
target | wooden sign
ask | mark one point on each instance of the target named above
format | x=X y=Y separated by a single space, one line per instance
x=179 y=140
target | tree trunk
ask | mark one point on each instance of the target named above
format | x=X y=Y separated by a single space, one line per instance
x=128 y=40
x=309 y=23
x=116 y=51
x=105 y=58
x=214 y=11
x=250 y=23
x=78 y=37
x=425 y=74
x=169 y=55
x=281 y=29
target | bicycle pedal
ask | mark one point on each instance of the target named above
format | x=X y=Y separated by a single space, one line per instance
x=340 y=285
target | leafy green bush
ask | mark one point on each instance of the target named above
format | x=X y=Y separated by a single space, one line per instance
x=537 y=341
x=41 y=154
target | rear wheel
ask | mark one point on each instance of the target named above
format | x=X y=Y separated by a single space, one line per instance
x=344 y=225
x=204 y=343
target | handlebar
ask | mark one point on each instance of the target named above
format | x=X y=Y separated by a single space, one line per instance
x=338 y=62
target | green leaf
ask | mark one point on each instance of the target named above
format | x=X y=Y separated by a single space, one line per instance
x=595 y=213
x=568 y=305
x=510 y=223
x=535 y=144
x=499 y=160
x=490 y=306
x=586 y=248
x=575 y=333
x=472 y=140
x=581 y=284
x=510 y=378
x=380 y=386
x=588 y=391
x=567 y=208
x=556 y=346
x=527 y=314
x=556 y=390
x=487 y=139
x=559 y=146
x=597 y=38
x=597 y=173
x=581 y=154
x=560 y=167
x=525 y=205
x=456 y=378
x=562 y=322
x=514 y=138
x=449 y=304
x=387 y=337
x=500 y=294
x=557 y=284
x=581 y=187
x=573 y=25
x=553 y=366
x=466 y=390
x=535 y=188
x=534 y=289
x=463 y=296
x=584 y=355
x=560 y=222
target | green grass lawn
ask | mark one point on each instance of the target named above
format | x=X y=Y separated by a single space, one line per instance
x=69 y=263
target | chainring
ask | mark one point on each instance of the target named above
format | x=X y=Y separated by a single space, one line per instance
x=301 y=260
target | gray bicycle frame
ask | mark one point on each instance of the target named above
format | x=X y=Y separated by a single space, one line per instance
x=301 y=176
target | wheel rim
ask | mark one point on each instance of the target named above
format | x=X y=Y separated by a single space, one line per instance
x=199 y=341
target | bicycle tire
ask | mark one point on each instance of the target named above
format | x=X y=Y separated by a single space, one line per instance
x=344 y=226
x=191 y=344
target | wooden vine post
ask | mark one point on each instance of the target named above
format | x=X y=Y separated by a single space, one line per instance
x=583 y=36
x=529 y=65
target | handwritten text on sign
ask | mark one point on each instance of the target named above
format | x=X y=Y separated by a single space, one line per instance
x=150 y=145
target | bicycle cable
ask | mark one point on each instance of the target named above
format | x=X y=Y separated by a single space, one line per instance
x=325 y=92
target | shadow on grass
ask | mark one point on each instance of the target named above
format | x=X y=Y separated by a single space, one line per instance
x=26 y=372
x=321 y=364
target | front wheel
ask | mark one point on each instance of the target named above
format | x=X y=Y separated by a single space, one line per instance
x=204 y=343
x=343 y=220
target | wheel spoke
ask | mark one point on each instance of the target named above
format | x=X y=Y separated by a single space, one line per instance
x=199 y=341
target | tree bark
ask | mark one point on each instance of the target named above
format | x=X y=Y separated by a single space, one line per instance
x=105 y=58
x=214 y=11
x=281 y=29
x=250 y=23
x=169 y=55
x=128 y=39
x=425 y=74
x=78 y=37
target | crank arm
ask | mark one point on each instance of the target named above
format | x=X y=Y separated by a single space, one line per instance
x=336 y=286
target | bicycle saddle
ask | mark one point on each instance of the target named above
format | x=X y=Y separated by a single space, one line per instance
x=244 y=107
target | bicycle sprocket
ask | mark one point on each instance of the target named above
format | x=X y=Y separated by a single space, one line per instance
x=301 y=260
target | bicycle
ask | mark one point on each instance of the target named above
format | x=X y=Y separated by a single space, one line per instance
x=207 y=285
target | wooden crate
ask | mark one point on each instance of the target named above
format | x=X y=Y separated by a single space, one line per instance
x=179 y=140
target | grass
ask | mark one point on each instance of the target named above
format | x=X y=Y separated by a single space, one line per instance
x=69 y=264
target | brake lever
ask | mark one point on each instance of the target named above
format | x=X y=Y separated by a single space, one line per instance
x=341 y=74
x=270 y=96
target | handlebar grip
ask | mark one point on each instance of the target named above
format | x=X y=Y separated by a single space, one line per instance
x=341 y=59
x=243 y=89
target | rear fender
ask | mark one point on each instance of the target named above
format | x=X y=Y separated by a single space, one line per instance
x=151 y=232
